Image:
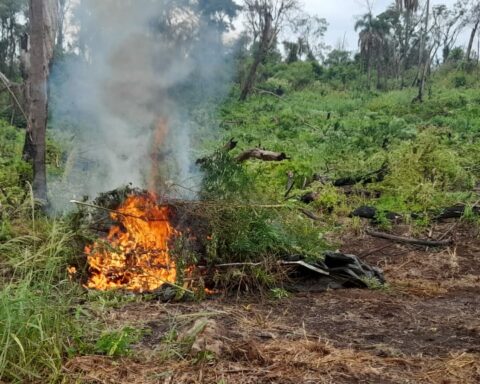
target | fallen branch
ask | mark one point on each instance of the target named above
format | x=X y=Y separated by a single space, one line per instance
x=280 y=262
x=375 y=250
x=457 y=211
x=8 y=86
x=310 y=215
x=267 y=92
x=409 y=240
x=231 y=144
x=369 y=178
x=113 y=211
x=261 y=154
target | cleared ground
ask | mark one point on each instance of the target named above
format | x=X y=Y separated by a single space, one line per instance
x=423 y=328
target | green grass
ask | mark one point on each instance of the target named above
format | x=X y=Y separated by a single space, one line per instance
x=432 y=148
x=36 y=299
x=326 y=125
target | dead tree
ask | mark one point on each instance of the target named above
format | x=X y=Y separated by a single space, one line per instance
x=472 y=38
x=42 y=40
x=475 y=21
x=259 y=56
x=265 y=19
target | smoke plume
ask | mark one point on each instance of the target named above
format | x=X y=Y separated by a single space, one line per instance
x=123 y=98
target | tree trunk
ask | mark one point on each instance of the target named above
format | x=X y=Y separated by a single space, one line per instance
x=259 y=56
x=42 y=36
x=472 y=38
x=406 y=49
x=422 y=59
x=62 y=10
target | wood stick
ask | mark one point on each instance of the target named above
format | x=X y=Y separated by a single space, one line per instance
x=280 y=262
x=7 y=84
x=290 y=183
x=409 y=240
x=238 y=265
x=267 y=92
x=261 y=154
x=230 y=145
x=113 y=211
x=310 y=215
x=221 y=205
x=368 y=253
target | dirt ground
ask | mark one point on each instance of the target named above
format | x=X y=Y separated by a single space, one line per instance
x=423 y=328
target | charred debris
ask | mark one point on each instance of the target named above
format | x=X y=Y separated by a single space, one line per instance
x=199 y=270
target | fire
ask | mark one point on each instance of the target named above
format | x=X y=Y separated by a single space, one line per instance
x=135 y=255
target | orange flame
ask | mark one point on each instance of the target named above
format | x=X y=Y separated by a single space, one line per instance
x=135 y=255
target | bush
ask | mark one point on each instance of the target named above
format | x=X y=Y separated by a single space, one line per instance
x=298 y=74
x=459 y=81
x=36 y=324
x=425 y=171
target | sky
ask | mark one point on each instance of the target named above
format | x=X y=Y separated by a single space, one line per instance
x=341 y=16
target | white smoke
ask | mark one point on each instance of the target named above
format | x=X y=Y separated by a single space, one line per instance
x=135 y=63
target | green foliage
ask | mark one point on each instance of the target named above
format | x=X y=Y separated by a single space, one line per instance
x=330 y=198
x=426 y=173
x=246 y=226
x=223 y=177
x=279 y=293
x=432 y=148
x=298 y=74
x=117 y=343
x=36 y=326
x=374 y=284
x=14 y=172
x=459 y=81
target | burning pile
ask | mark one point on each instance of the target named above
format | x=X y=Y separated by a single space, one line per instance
x=135 y=255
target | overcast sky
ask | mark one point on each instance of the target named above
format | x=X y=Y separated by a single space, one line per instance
x=341 y=16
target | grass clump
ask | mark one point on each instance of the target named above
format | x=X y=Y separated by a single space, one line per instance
x=36 y=325
x=426 y=174
x=117 y=343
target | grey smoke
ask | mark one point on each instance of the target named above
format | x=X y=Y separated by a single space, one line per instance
x=136 y=62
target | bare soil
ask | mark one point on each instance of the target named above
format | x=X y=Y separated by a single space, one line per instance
x=423 y=328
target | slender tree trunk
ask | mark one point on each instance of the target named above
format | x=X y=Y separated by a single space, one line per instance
x=406 y=48
x=62 y=4
x=42 y=32
x=472 y=38
x=425 y=60
x=259 y=56
x=12 y=46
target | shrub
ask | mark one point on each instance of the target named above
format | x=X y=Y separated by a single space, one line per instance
x=424 y=171
x=36 y=325
x=117 y=343
x=460 y=81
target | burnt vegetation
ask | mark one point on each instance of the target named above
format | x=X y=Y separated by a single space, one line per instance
x=297 y=212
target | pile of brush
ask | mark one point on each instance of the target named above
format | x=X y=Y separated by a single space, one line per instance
x=226 y=246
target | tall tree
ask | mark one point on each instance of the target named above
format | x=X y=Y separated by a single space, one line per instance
x=265 y=19
x=262 y=51
x=43 y=24
x=219 y=13
x=424 y=62
x=451 y=22
x=372 y=41
x=475 y=22
x=408 y=9
x=62 y=10
x=310 y=30
x=11 y=29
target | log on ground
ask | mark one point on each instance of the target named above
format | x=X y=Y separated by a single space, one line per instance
x=261 y=154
